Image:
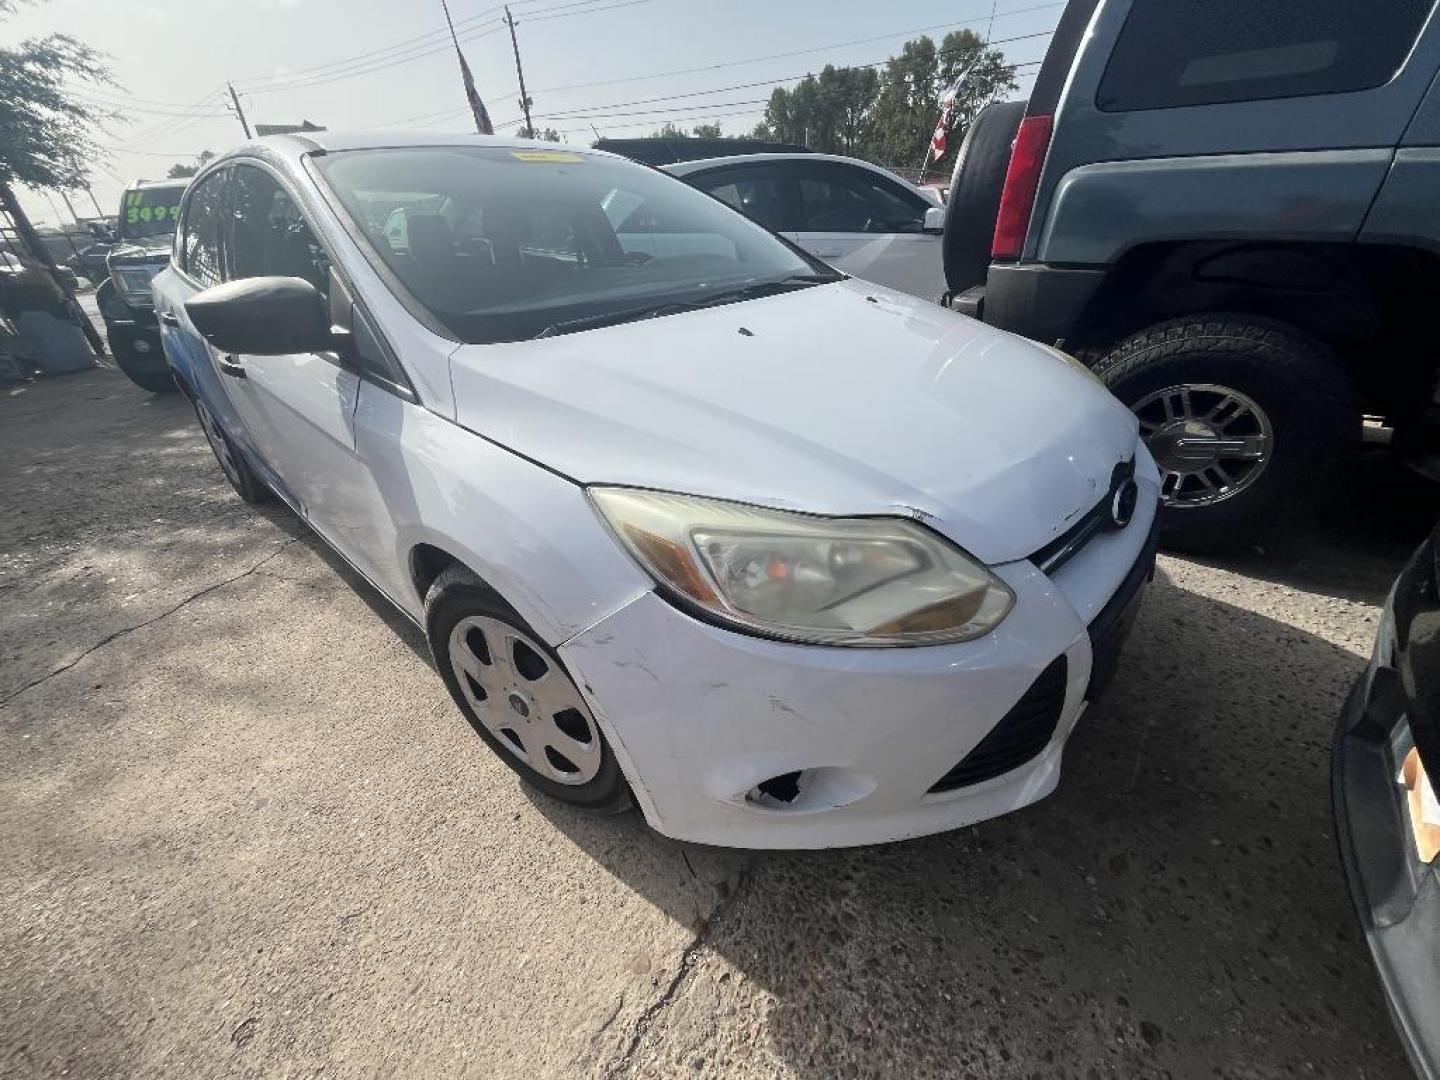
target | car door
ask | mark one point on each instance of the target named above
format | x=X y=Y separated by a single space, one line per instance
x=867 y=225
x=298 y=408
x=196 y=263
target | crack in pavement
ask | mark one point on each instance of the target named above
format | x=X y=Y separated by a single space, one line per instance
x=8 y=698
x=621 y=1065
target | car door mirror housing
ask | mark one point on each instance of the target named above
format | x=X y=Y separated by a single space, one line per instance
x=263 y=316
x=934 y=220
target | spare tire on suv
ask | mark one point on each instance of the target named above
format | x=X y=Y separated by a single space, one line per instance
x=975 y=187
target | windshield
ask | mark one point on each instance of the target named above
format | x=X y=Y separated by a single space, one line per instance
x=149 y=211
x=505 y=244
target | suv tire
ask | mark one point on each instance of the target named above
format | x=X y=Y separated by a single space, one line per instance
x=975 y=187
x=1269 y=408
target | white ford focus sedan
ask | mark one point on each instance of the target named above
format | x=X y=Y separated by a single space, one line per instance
x=784 y=558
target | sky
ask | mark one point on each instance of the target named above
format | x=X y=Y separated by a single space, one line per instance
x=378 y=64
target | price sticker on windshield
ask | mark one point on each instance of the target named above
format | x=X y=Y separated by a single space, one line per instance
x=563 y=157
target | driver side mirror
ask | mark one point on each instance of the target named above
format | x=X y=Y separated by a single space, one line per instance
x=263 y=316
x=934 y=220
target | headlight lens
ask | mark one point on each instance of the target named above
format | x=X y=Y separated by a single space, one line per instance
x=862 y=581
x=134 y=284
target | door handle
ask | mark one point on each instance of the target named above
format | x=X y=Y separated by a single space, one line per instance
x=230 y=366
x=169 y=318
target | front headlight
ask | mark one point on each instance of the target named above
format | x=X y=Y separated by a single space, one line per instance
x=834 y=581
x=134 y=284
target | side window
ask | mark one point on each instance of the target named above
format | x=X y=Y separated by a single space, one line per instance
x=754 y=192
x=199 y=246
x=838 y=198
x=1207 y=52
x=267 y=234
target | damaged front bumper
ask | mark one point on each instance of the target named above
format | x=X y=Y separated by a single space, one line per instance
x=748 y=742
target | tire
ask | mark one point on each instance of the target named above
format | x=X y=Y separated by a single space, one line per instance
x=153 y=381
x=232 y=463
x=1285 y=411
x=975 y=187
x=527 y=723
x=142 y=372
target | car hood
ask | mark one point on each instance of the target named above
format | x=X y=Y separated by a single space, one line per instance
x=836 y=399
x=142 y=249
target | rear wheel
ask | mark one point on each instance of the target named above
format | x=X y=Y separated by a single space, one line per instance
x=517 y=695
x=1243 y=416
x=242 y=478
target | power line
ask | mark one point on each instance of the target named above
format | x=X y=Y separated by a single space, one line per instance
x=381 y=63
x=797 y=52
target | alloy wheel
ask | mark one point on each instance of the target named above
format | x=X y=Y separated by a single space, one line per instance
x=1210 y=442
x=525 y=699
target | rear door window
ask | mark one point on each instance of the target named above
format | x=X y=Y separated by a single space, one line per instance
x=1173 y=53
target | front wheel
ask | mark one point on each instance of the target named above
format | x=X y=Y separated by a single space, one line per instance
x=517 y=695
x=1243 y=416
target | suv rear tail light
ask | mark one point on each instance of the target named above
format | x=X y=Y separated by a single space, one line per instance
x=1021 y=179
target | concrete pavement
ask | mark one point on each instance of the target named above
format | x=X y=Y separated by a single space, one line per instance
x=244 y=832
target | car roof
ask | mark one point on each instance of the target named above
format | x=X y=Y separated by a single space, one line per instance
x=324 y=141
x=681 y=168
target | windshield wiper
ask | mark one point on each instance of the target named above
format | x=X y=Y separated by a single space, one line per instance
x=751 y=291
x=757 y=289
x=613 y=318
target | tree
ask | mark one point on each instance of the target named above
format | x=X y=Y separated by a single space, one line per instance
x=707 y=131
x=180 y=171
x=46 y=135
x=889 y=116
x=549 y=135
x=908 y=103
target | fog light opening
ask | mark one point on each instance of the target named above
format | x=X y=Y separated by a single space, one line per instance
x=779 y=790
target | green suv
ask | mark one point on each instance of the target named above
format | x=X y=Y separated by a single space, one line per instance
x=1227 y=209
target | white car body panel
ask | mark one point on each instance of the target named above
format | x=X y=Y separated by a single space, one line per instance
x=909 y=262
x=840 y=399
x=913 y=263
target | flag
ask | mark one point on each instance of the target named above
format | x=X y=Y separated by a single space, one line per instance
x=477 y=107
x=937 y=141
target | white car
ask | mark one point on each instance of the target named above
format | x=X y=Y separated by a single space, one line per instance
x=788 y=559
x=858 y=217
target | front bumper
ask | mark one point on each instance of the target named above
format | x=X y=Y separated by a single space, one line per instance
x=699 y=716
x=1396 y=895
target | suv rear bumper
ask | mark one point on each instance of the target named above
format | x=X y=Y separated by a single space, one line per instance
x=1040 y=302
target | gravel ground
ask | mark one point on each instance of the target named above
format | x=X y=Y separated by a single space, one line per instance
x=245 y=832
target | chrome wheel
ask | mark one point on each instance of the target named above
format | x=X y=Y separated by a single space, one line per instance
x=1210 y=442
x=218 y=443
x=525 y=700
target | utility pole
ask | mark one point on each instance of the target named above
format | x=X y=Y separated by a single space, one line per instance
x=519 y=74
x=239 y=111
x=64 y=195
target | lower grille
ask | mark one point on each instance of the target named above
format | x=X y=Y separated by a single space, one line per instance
x=1110 y=628
x=1023 y=732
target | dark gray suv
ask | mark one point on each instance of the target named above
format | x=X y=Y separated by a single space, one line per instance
x=1228 y=209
